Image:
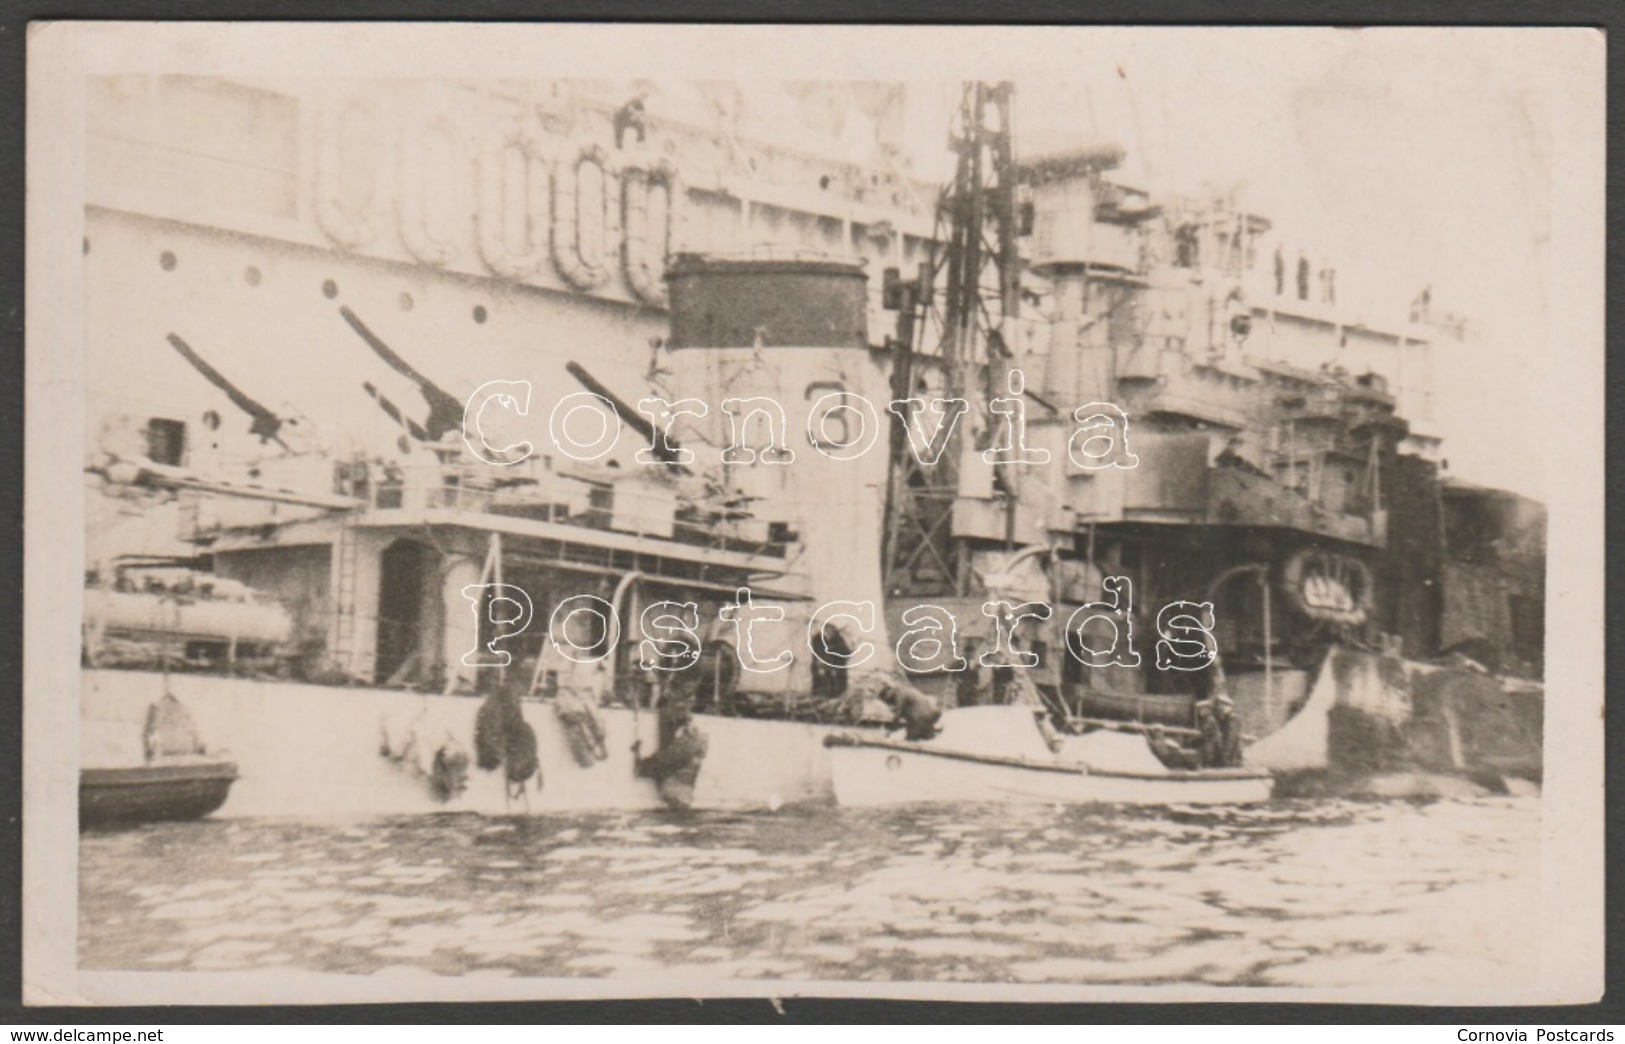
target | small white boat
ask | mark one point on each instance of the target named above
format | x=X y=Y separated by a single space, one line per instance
x=999 y=754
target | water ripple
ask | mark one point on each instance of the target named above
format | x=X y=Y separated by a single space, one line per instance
x=1324 y=893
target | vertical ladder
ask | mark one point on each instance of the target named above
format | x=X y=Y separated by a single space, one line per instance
x=343 y=587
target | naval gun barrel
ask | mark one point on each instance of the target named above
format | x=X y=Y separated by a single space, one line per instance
x=665 y=449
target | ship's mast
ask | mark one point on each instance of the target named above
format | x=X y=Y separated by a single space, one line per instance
x=975 y=255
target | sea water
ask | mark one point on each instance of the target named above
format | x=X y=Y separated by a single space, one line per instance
x=1297 y=893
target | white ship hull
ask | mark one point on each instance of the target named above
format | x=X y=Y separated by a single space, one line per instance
x=308 y=750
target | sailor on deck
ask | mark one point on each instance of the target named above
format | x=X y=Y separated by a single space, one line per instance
x=914 y=712
x=1221 y=732
x=711 y=682
x=1168 y=751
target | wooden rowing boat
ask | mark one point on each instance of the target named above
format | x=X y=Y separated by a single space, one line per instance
x=168 y=789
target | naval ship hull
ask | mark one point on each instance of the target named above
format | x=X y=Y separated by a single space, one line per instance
x=320 y=751
x=310 y=750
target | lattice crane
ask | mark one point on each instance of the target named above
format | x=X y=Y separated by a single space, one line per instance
x=960 y=349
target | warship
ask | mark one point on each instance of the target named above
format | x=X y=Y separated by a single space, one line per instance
x=386 y=427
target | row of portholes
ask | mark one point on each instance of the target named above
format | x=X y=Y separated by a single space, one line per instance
x=330 y=289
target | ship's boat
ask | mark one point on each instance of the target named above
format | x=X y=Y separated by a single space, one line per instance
x=203 y=619
x=999 y=754
x=180 y=778
x=171 y=789
x=145 y=616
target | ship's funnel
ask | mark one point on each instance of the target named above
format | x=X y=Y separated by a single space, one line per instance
x=767 y=302
x=790 y=332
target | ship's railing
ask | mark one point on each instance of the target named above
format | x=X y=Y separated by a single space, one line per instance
x=535 y=492
x=783 y=252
